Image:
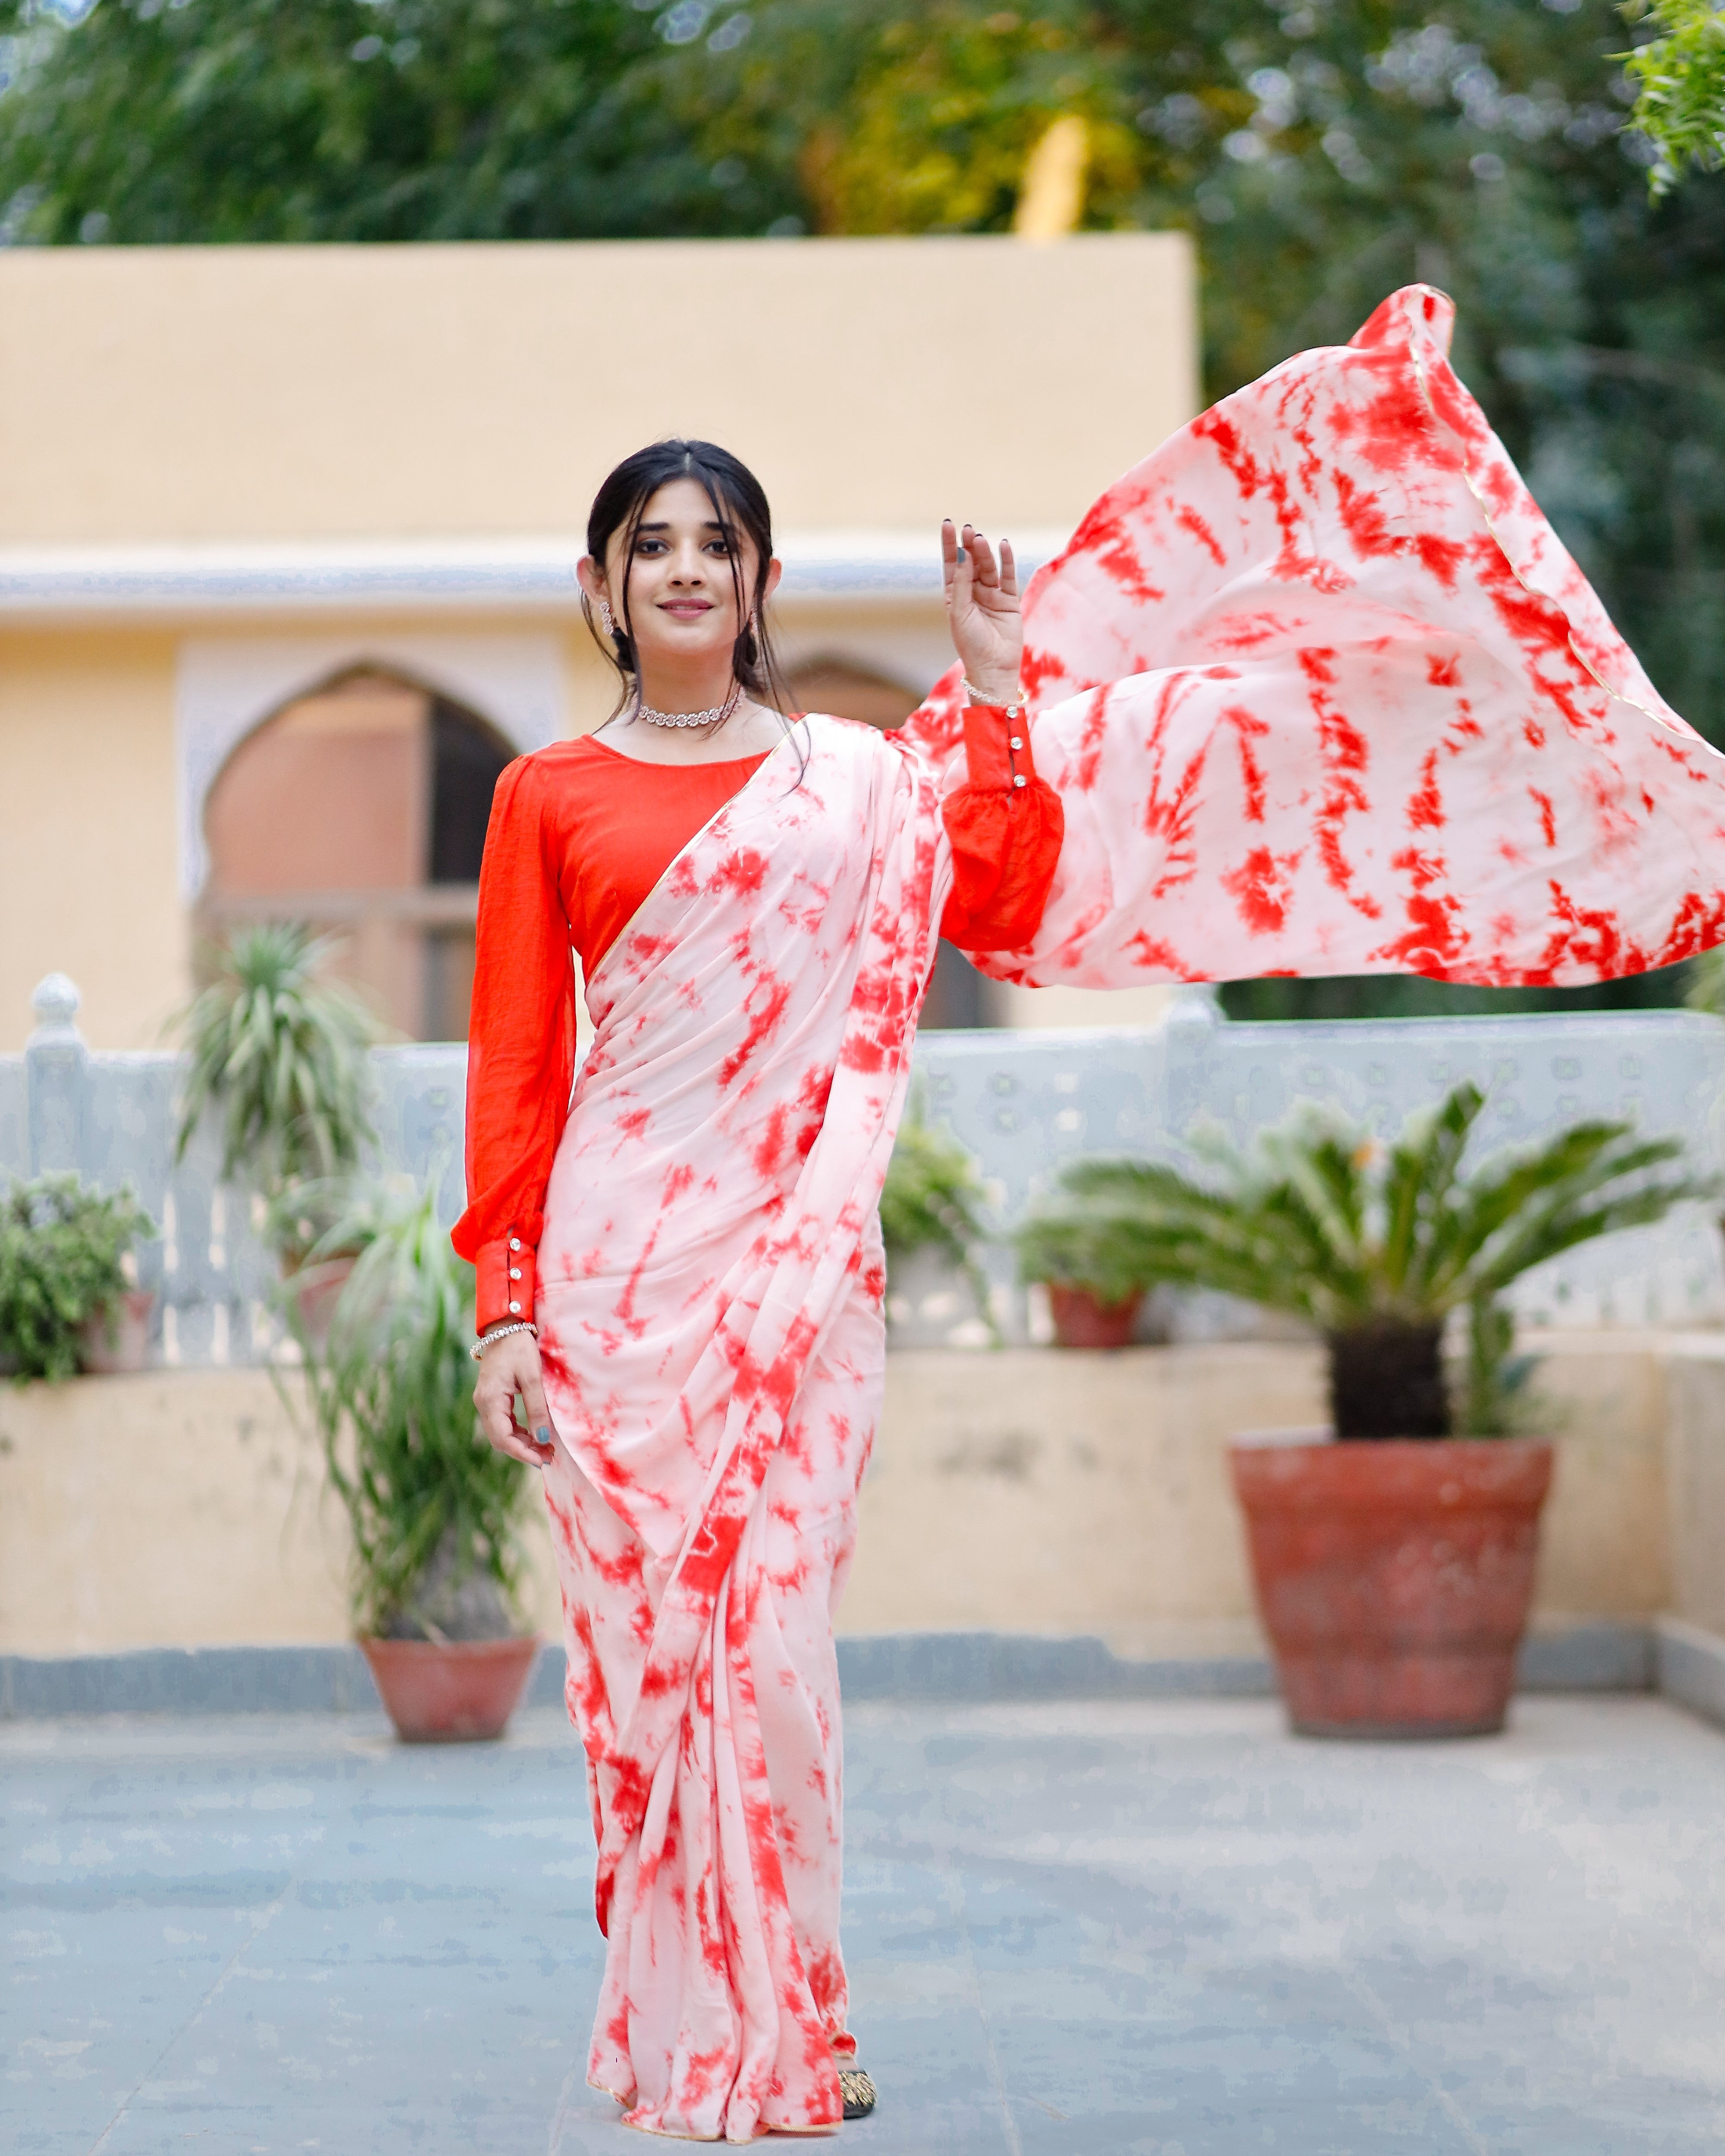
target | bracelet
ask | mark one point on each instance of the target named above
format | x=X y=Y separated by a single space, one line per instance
x=992 y=704
x=500 y=1332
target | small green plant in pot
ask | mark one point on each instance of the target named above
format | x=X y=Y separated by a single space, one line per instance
x=1087 y=1252
x=434 y=1511
x=1394 y=1569
x=65 y=1286
x=278 y=1053
x=931 y=1201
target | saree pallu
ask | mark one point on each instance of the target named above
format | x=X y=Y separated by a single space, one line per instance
x=1319 y=692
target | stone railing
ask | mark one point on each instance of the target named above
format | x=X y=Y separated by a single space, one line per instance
x=1022 y=1101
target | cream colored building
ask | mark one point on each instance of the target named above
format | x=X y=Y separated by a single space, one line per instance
x=323 y=498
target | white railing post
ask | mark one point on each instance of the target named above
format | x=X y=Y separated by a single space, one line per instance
x=56 y=1078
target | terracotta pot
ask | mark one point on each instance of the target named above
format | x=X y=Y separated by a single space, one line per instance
x=1082 y=1320
x=117 y=1340
x=316 y=1290
x=1393 y=1577
x=458 y=1692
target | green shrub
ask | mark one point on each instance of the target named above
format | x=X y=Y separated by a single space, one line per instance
x=932 y=1201
x=63 y=1246
x=435 y=1510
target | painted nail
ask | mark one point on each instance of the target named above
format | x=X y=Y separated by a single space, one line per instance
x=543 y=1434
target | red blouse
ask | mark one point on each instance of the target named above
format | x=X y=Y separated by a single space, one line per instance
x=579 y=834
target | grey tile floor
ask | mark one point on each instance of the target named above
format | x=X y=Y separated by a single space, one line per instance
x=1160 y=1928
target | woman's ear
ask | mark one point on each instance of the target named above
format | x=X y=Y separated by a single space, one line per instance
x=592 y=577
x=775 y=570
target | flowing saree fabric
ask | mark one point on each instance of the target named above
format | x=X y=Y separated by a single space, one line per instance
x=1319 y=692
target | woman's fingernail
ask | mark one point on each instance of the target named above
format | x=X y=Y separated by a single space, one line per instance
x=543 y=1434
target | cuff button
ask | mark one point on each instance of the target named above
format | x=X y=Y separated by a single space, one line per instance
x=514 y=1309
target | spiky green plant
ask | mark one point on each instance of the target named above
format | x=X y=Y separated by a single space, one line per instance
x=279 y=1051
x=433 y=1509
x=63 y=1249
x=1679 y=80
x=932 y=1199
x=1375 y=1245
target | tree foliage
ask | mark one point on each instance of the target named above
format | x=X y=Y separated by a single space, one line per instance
x=1679 y=77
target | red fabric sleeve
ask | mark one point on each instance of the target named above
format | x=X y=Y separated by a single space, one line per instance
x=520 y=1048
x=1006 y=825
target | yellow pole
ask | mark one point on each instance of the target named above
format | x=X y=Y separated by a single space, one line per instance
x=1051 y=194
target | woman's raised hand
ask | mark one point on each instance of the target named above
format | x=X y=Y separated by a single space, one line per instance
x=983 y=610
x=509 y=1368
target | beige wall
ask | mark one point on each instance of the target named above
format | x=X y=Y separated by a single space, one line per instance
x=89 y=871
x=194 y=393
x=1029 y=1490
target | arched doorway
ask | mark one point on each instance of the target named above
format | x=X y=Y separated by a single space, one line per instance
x=957 y=995
x=361 y=808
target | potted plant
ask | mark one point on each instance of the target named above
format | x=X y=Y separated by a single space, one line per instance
x=280 y=1053
x=930 y=1207
x=1394 y=1566
x=1086 y=1251
x=433 y=1509
x=68 y=1292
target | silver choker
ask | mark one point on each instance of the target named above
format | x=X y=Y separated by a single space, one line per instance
x=713 y=717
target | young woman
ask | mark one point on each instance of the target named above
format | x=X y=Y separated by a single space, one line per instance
x=1314 y=689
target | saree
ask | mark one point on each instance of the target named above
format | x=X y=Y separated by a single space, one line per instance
x=1319 y=691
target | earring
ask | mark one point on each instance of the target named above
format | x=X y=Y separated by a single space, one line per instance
x=605 y=616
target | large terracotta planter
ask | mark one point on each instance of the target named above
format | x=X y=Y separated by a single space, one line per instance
x=455 y=1692
x=116 y=1341
x=1394 y=1578
x=1081 y=1320
x=316 y=1289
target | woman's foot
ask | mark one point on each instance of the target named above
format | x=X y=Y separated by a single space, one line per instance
x=858 y=2091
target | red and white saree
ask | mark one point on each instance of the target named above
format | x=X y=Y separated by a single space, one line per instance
x=1319 y=692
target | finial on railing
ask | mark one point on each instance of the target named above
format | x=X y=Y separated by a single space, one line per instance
x=1195 y=1003
x=55 y=1003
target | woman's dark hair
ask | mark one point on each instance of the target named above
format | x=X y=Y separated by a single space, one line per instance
x=740 y=508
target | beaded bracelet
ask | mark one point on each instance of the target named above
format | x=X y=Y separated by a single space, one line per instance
x=1011 y=710
x=500 y=1332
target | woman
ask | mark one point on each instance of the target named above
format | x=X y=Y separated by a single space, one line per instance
x=1314 y=689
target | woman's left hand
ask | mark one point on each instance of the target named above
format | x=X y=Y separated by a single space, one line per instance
x=983 y=610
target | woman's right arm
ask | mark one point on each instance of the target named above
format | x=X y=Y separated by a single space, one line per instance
x=520 y=1061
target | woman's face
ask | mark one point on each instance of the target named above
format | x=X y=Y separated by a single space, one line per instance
x=682 y=593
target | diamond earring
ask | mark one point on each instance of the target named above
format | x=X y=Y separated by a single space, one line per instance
x=605 y=617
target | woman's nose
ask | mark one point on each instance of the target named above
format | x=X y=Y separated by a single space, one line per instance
x=686 y=565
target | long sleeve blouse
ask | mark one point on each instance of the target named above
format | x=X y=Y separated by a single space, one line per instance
x=579 y=834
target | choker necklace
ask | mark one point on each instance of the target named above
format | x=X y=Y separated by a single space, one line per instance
x=713 y=717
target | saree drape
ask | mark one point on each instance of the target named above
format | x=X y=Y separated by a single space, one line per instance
x=1319 y=692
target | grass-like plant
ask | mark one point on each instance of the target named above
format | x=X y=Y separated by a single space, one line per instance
x=931 y=1200
x=434 y=1510
x=279 y=1051
x=1376 y=1245
x=63 y=1250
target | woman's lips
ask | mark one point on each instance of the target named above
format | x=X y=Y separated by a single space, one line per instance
x=687 y=609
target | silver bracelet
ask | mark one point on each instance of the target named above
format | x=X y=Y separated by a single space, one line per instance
x=993 y=704
x=500 y=1332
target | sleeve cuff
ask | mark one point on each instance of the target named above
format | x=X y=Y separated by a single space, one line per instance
x=995 y=756
x=508 y=1280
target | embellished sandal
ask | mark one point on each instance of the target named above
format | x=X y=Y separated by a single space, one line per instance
x=858 y=2091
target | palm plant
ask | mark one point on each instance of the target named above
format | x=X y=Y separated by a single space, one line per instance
x=1376 y=1246
x=279 y=1052
x=433 y=1509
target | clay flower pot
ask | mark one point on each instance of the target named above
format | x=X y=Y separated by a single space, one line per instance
x=316 y=1289
x=1393 y=1577
x=456 y=1692
x=1081 y=1320
x=117 y=1340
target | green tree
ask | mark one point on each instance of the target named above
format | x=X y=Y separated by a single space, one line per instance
x=1679 y=77
x=168 y=121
